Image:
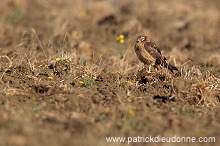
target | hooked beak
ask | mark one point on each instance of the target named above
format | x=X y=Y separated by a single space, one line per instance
x=138 y=40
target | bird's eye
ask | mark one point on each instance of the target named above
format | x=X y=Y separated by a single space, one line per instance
x=142 y=38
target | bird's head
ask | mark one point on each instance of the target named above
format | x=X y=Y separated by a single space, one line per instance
x=142 y=38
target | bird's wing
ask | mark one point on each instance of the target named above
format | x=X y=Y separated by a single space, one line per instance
x=155 y=52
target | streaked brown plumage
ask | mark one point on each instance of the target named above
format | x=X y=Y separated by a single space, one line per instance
x=150 y=54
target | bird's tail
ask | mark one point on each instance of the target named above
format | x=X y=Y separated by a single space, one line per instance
x=170 y=67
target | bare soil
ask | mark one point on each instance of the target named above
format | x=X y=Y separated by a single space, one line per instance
x=66 y=79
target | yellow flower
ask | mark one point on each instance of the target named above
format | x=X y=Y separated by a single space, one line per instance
x=82 y=13
x=50 y=78
x=131 y=112
x=33 y=98
x=120 y=37
x=74 y=33
x=128 y=81
x=81 y=82
x=57 y=59
x=67 y=60
x=121 y=41
x=118 y=72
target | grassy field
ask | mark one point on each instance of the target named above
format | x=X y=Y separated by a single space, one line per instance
x=69 y=74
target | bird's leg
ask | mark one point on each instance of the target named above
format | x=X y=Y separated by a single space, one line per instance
x=149 y=71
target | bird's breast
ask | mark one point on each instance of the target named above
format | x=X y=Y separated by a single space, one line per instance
x=143 y=55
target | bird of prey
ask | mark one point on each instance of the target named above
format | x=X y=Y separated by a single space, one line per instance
x=150 y=54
